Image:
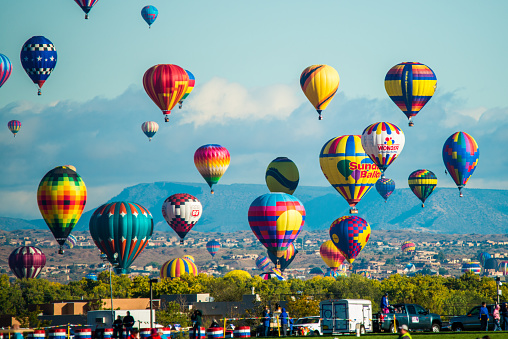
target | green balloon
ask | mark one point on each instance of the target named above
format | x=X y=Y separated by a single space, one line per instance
x=343 y=167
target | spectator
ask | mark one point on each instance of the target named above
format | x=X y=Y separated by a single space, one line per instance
x=484 y=317
x=504 y=315
x=198 y=322
x=385 y=304
x=214 y=324
x=128 y=323
x=290 y=326
x=284 y=322
x=497 y=318
x=134 y=334
x=266 y=321
x=404 y=332
x=117 y=327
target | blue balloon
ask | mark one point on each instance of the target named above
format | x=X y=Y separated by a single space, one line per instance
x=385 y=187
x=149 y=13
x=38 y=58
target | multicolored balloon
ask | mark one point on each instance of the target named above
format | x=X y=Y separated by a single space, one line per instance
x=166 y=85
x=5 y=69
x=150 y=128
x=410 y=85
x=282 y=176
x=408 y=247
x=213 y=247
x=483 y=257
x=286 y=259
x=422 y=182
x=460 y=156
x=274 y=273
x=189 y=257
x=319 y=84
x=365 y=274
x=192 y=83
x=86 y=5
x=177 y=267
x=385 y=187
x=350 y=234
x=61 y=197
x=121 y=230
x=276 y=219
x=212 y=161
x=383 y=143
x=27 y=262
x=331 y=255
x=472 y=266
x=262 y=262
x=503 y=267
x=14 y=126
x=336 y=272
x=149 y=14
x=70 y=242
x=182 y=211
x=348 y=168
x=38 y=58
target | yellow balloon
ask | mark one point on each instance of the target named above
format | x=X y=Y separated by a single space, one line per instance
x=319 y=84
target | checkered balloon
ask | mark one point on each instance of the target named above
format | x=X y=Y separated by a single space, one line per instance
x=350 y=234
x=182 y=211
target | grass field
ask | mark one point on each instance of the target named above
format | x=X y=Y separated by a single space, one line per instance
x=444 y=335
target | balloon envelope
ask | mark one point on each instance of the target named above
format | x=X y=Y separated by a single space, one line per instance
x=408 y=247
x=61 y=197
x=190 y=87
x=150 y=128
x=212 y=161
x=262 y=262
x=177 y=267
x=319 y=84
x=276 y=219
x=189 y=257
x=282 y=176
x=14 y=126
x=149 y=14
x=5 y=69
x=213 y=247
x=472 y=266
x=348 y=168
x=383 y=143
x=27 y=262
x=182 y=211
x=121 y=230
x=38 y=58
x=483 y=257
x=385 y=187
x=91 y=276
x=422 y=182
x=460 y=156
x=350 y=234
x=86 y=5
x=410 y=85
x=71 y=241
x=286 y=259
x=331 y=255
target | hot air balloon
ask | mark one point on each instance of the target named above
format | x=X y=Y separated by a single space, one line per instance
x=61 y=197
x=192 y=83
x=38 y=58
x=472 y=266
x=150 y=128
x=383 y=143
x=14 y=126
x=348 y=168
x=212 y=161
x=149 y=14
x=422 y=182
x=385 y=187
x=166 y=85
x=503 y=267
x=5 y=69
x=70 y=242
x=483 y=257
x=331 y=255
x=410 y=85
x=177 y=267
x=319 y=84
x=335 y=273
x=121 y=230
x=91 y=276
x=365 y=274
x=350 y=234
x=213 y=247
x=189 y=257
x=282 y=176
x=27 y=262
x=286 y=259
x=274 y=273
x=276 y=219
x=460 y=156
x=262 y=262
x=182 y=211
x=408 y=247
x=86 y=5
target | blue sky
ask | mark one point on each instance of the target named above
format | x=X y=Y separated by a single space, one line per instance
x=247 y=58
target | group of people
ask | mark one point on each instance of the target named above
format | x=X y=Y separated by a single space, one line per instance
x=500 y=315
x=119 y=324
x=286 y=322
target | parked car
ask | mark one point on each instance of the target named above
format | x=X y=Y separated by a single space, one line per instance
x=471 y=321
x=312 y=323
x=413 y=315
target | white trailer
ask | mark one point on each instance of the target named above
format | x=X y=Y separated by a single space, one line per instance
x=104 y=318
x=345 y=315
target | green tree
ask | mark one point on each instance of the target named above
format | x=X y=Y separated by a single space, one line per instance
x=303 y=306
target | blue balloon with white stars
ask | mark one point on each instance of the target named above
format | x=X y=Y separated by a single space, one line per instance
x=38 y=58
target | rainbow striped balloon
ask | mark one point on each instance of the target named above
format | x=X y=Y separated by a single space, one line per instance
x=212 y=161
x=503 y=267
x=460 y=156
x=189 y=257
x=192 y=82
x=262 y=262
x=70 y=242
x=319 y=84
x=422 y=182
x=150 y=128
x=472 y=266
x=213 y=247
x=5 y=69
x=410 y=85
x=178 y=267
x=331 y=255
x=408 y=247
x=14 y=126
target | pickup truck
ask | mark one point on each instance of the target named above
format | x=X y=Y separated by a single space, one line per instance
x=414 y=316
x=471 y=321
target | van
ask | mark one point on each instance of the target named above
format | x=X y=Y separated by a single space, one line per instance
x=345 y=315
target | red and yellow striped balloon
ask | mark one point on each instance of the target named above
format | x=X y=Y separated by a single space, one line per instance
x=177 y=267
x=331 y=255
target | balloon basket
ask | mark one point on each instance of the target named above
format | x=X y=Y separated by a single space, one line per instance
x=181 y=242
x=411 y=124
x=61 y=251
x=461 y=195
x=86 y=16
x=353 y=211
x=166 y=119
x=39 y=92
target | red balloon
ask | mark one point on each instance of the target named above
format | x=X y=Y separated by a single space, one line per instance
x=27 y=262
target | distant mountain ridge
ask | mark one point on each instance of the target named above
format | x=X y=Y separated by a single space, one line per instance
x=481 y=211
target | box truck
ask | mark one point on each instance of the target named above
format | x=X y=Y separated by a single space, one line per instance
x=345 y=315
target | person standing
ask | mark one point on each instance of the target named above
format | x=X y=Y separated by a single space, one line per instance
x=504 y=316
x=128 y=323
x=497 y=318
x=384 y=303
x=284 y=322
x=266 y=321
x=484 y=317
x=404 y=332
x=117 y=327
x=198 y=322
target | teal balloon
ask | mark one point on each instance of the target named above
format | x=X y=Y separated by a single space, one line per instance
x=121 y=230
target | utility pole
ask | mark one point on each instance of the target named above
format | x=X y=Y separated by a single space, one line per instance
x=498 y=284
x=151 y=300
